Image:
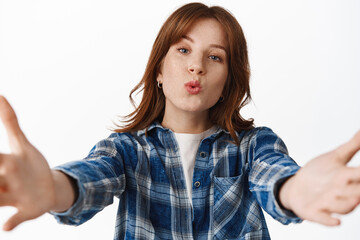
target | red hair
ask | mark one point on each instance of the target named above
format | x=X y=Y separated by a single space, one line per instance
x=236 y=91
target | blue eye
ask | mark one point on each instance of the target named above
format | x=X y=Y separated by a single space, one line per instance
x=183 y=50
x=215 y=58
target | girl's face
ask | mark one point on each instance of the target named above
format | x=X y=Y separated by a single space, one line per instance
x=195 y=69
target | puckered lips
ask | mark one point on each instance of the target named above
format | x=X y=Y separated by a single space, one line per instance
x=193 y=87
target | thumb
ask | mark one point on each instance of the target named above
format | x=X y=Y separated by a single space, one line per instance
x=9 y=119
x=326 y=219
x=346 y=151
x=14 y=221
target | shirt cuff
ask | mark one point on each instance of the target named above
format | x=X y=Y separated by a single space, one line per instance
x=288 y=214
x=68 y=216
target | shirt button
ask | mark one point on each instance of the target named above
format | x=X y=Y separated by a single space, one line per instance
x=197 y=184
x=202 y=154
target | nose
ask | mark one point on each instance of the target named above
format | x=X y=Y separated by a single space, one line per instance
x=196 y=66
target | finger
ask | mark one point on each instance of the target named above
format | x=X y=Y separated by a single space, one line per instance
x=8 y=116
x=347 y=150
x=350 y=175
x=325 y=218
x=343 y=205
x=14 y=221
x=349 y=191
x=9 y=119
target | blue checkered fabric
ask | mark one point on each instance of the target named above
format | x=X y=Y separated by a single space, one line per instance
x=231 y=183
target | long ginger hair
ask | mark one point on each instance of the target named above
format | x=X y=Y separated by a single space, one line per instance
x=236 y=91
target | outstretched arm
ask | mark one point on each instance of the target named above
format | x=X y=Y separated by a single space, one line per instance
x=325 y=186
x=26 y=181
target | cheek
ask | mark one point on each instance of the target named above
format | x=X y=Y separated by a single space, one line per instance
x=221 y=78
x=168 y=89
x=167 y=74
x=216 y=94
x=173 y=76
x=170 y=64
x=171 y=87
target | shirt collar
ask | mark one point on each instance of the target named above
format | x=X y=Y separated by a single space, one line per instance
x=157 y=126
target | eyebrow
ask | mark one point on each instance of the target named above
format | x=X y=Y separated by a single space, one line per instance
x=212 y=45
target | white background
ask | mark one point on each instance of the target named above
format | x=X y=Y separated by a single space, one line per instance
x=68 y=66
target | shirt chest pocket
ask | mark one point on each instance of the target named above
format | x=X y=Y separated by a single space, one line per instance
x=228 y=192
x=228 y=198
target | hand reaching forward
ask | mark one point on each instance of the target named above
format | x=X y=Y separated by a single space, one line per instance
x=325 y=186
x=26 y=181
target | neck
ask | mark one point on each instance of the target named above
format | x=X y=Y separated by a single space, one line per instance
x=188 y=122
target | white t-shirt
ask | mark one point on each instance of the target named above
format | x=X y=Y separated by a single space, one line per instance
x=188 y=145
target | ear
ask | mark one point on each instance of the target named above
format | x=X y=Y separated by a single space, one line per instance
x=159 y=77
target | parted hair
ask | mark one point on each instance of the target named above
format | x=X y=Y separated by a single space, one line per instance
x=236 y=91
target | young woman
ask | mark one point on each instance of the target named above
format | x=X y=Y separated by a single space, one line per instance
x=185 y=165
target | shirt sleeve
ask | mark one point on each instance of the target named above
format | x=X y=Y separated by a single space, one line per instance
x=99 y=177
x=270 y=165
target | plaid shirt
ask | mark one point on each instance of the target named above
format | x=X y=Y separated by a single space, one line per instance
x=230 y=185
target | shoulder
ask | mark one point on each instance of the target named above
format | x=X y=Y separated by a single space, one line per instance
x=116 y=143
x=256 y=133
x=132 y=138
x=263 y=139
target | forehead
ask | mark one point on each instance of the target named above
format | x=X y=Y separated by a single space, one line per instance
x=208 y=29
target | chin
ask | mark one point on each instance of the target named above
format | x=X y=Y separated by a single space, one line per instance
x=197 y=107
x=192 y=105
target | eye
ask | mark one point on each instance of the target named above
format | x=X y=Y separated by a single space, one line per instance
x=183 y=50
x=215 y=58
